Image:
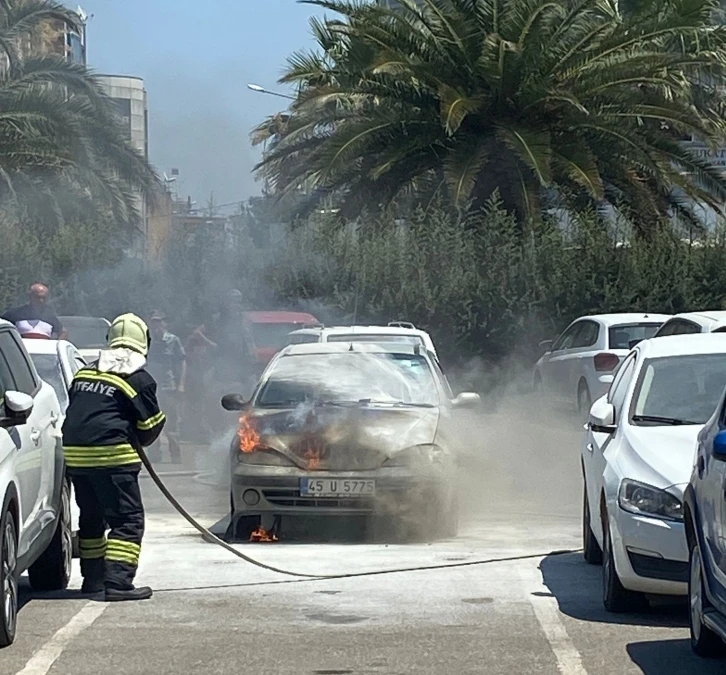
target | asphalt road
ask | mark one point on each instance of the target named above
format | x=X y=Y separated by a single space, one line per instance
x=214 y=614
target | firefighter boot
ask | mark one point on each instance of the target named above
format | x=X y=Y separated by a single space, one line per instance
x=93 y=573
x=133 y=593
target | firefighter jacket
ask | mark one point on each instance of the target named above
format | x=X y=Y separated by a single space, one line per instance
x=112 y=412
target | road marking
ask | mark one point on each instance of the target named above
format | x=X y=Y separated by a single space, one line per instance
x=42 y=661
x=546 y=609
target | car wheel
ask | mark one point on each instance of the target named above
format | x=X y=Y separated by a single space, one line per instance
x=584 y=400
x=616 y=597
x=704 y=641
x=52 y=571
x=8 y=576
x=591 y=550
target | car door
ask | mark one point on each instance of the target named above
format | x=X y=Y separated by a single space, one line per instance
x=18 y=374
x=555 y=365
x=598 y=444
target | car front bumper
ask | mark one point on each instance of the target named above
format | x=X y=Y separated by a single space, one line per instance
x=258 y=490
x=651 y=554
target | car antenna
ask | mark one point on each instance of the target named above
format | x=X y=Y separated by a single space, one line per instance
x=350 y=349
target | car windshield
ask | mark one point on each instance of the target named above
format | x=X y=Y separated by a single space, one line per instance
x=379 y=339
x=679 y=389
x=49 y=369
x=349 y=377
x=267 y=335
x=619 y=337
x=85 y=332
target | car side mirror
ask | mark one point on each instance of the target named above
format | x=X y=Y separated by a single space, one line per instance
x=719 y=446
x=233 y=402
x=546 y=345
x=466 y=400
x=602 y=416
x=16 y=409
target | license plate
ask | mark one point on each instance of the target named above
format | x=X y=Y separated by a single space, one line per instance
x=337 y=487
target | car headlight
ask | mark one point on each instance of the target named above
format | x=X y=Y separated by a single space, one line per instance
x=418 y=455
x=641 y=498
x=264 y=457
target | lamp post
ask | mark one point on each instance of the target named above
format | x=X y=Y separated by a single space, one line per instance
x=262 y=90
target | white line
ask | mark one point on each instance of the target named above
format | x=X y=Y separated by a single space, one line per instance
x=569 y=661
x=42 y=661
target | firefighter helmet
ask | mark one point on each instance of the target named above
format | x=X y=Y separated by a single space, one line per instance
x=129 y=331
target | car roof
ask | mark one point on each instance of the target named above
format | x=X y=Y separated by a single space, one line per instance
x=83 y=319
x=683 y=345
x=342 y=347
x=280 y=317
x=45 y=346
x=630 y=317
x=705 y=315
x=375 y=330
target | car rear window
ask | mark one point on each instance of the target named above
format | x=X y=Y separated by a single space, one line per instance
x=386 y=339
x=619 y=337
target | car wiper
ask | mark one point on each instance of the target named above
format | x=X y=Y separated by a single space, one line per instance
x=673 y=421
x=403 y=404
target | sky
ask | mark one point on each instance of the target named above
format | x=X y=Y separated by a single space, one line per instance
x=196 y=59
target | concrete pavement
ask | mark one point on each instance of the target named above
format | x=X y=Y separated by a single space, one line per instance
x=214 y=614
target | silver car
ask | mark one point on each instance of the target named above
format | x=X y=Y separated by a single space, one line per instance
x=336 y=429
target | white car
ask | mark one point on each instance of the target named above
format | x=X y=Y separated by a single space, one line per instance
x=708 y=321
x=35 y=518
x=395 y=331
x=578 y=367
x=57 y=361
x=637 y=459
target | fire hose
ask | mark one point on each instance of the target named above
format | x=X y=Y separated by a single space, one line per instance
x=214 y=539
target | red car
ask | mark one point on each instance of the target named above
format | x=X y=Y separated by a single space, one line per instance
x=269 y=330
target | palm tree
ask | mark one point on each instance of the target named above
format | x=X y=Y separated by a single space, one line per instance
x=60 y=142
x=468 y=97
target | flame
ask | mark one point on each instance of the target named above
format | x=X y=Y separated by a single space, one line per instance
x=262 y=535
x=312 y=455
x=249 y=438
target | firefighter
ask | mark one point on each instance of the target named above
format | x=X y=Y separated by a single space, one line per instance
x=113 y=412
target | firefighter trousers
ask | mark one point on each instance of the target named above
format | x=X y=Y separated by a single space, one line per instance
x=109 y=499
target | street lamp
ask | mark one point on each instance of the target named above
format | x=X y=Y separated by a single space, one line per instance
x=262 y=90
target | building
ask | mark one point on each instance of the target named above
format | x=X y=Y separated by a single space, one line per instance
x=128 y=95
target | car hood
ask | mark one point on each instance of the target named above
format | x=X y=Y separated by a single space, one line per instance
x=332 y=438
x=662 y=456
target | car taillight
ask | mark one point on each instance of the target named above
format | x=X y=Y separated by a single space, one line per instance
x=604 y=363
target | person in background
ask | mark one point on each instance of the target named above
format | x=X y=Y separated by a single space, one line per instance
x=167 y=364
x=199 y=349
x=36 y=319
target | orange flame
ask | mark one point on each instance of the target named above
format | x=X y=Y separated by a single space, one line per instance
x=261 y=535
x=249 y=438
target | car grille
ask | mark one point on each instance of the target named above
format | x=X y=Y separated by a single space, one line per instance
x=291 y=497
x=658 y=568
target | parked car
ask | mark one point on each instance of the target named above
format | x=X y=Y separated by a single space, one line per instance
x=705 y=523
x=87 y=333
x=346 y=430
x=57 y=361
x=694 y=322
x=35 y=513
x=637 y=459
x=577 y=368
x=395 y=331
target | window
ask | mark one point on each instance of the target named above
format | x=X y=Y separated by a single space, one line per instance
x=679 y=389
x=620 y=337
x=49 y=369
x=678 y=327
x=18 y=373
x=619 y=388
x=587 y=335
x=443 y=378
x=567 y=338
x=302 y=339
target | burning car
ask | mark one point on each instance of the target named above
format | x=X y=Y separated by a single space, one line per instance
x=335 y=429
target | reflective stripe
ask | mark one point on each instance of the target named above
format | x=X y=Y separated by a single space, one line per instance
x=107 y=378
x=123 y=551
x=101 y=455
x=145 y=425
x=91 y=549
